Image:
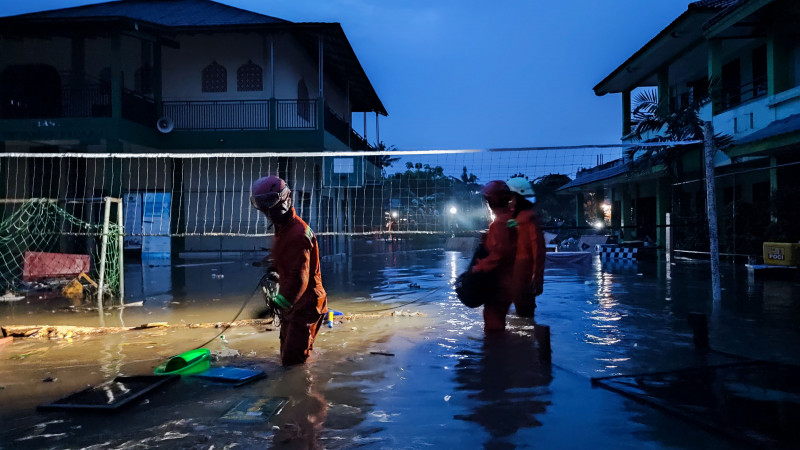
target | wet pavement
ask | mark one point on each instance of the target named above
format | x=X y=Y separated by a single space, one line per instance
x=399 y=381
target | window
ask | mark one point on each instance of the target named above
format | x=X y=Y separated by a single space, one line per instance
x=249 y=77
x=215 y=78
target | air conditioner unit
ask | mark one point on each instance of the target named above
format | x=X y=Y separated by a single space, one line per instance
x=165 y=125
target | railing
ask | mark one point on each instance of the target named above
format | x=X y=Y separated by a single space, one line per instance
x=729 y=97
x=90 y=100
x=336 y=126
x=138 y=108
x=218 y=115
x=297 y=114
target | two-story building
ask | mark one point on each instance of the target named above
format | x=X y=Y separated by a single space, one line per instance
x=751 y=51
x=192 y=77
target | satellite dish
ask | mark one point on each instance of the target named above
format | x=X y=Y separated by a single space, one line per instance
x=165 y=125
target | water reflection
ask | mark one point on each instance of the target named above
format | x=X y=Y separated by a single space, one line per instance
x=302 y=419
x=507 y=386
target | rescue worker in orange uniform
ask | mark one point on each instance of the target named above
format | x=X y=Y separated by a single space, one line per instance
x=501 y=247
x=295 y=256
x=530 y=254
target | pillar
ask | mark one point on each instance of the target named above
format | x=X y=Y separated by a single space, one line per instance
x=116 y=77
x=663 y=200
x=663 y=89
x=779 y=69
x=626 y=112
x=158 y=90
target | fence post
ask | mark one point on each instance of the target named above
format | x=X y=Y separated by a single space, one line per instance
x=668 y=240
x=121 y=243
x=711 y=206
x=103 y=245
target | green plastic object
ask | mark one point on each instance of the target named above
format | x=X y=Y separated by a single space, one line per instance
x=187 y=363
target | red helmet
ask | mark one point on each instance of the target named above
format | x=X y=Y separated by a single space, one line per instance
x=496 y=193
x=269 y=192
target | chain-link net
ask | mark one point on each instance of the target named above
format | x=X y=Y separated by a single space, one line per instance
x=40 y=225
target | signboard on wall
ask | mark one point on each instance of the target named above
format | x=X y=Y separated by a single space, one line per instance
x=343 y=171
x=132 y=219
x=156 y=224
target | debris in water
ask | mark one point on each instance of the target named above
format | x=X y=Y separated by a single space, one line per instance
x=382 y=353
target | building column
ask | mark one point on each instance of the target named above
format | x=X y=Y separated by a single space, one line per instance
x=158 y=90
x=116 y=77
x=714 y=68
x=626 y=112
x=273 y=103
x=625 y=211
x=778 y=66
x=663 y=88
x=663 y=206
x=579 y=219
x=773 y=180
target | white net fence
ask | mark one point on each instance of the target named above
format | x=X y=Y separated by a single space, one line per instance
x=346 y=193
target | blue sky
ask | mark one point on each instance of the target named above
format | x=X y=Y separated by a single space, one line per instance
x=456 y=74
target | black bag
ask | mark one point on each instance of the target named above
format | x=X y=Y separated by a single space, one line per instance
x=473 y=288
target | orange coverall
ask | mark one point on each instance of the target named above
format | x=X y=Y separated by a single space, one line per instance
x=296 y=257
x=528 y=262
x=501 y=245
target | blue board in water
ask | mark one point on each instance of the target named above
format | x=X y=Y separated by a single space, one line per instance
x=236 y=376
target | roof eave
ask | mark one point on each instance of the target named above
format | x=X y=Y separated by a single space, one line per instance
x=643 y=53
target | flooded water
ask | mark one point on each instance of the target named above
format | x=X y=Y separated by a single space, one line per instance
x=395 y=381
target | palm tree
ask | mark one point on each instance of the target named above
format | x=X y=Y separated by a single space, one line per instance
x=654 y=115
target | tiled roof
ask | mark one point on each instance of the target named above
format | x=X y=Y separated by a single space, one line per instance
x=171 y=13
x=584 y=178
x=734 y=4
x=713 y=4
x=776 y=128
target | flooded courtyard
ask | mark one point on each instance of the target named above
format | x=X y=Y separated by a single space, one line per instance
x=393 y=378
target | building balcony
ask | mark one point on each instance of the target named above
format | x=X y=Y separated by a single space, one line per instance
x=731 y=97
x=64 y=107
x=757 y=112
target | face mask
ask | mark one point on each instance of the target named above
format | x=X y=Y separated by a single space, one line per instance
x=279 y=213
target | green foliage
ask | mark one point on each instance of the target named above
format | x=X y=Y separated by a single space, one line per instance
x=784 y=208
x=655 y=116
x=383 y=161
x=553 y=207
x=742 y=226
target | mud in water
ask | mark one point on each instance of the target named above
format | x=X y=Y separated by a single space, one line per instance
x=395 y=381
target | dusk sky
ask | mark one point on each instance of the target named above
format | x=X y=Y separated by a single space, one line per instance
x=458 y=74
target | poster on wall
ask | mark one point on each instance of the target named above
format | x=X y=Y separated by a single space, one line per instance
x=156 y=225
x=132 y=220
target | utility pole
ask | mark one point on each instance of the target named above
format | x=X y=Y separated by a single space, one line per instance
x=711 y=207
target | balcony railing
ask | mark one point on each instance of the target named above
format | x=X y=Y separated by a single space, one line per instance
x=729 y=97
x=138 y=108
x=218 y=115
x=297 y=114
